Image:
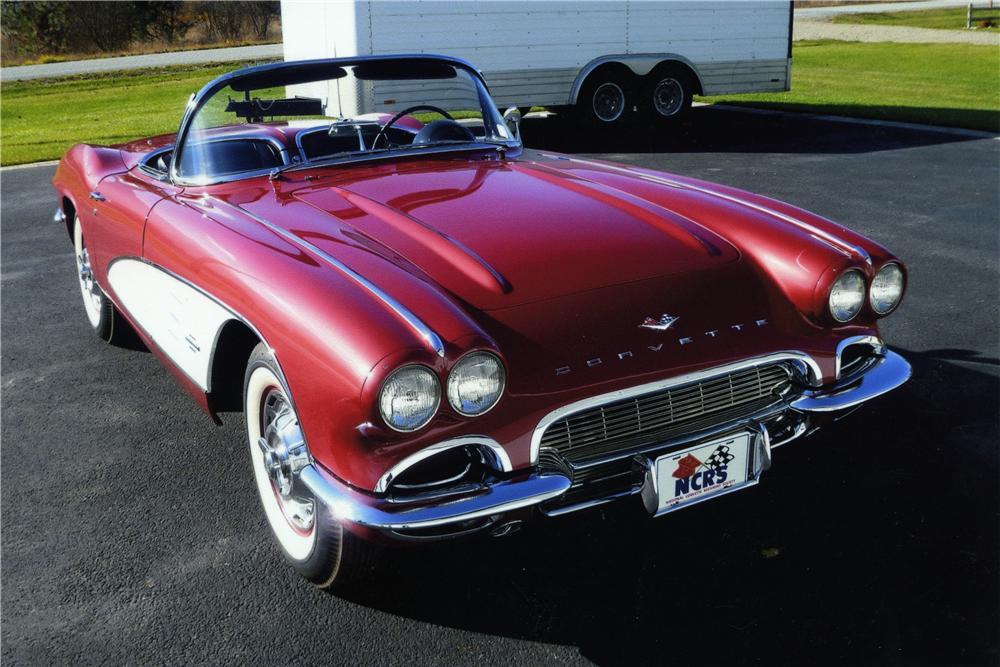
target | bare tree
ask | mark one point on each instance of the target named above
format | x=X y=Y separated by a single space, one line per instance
x=104 y=26
x=34 y=27
x=224 y=20
x=167 y=21
x=259 y=15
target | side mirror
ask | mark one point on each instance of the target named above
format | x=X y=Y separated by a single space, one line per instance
x=513 y=119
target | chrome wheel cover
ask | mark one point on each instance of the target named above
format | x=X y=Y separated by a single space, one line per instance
x=668 y=97
x=608 y=102
x=284 y=456
x=89 y=289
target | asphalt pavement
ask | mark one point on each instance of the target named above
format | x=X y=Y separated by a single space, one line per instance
x=131 y=533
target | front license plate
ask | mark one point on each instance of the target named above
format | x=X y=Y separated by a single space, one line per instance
x=703 y=472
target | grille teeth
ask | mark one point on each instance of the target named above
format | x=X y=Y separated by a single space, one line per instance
x=623 y=424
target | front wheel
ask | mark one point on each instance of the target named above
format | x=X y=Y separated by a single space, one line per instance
x=310 y=537
x=605 y=100
x=104 y=319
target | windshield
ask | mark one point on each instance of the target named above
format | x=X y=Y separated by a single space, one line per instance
x=299 y=114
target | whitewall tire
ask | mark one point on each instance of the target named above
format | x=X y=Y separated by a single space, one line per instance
x=310 y=537
x=95 y=303
x=104 y=319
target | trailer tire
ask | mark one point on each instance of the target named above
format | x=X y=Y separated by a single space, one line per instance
x=607 y=98
x=667 y=93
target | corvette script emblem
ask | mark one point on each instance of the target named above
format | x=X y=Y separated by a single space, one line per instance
x=662 y=324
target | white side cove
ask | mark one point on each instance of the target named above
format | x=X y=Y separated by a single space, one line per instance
x=182 y=321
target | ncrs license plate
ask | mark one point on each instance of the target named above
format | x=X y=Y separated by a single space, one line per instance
x=700 y=473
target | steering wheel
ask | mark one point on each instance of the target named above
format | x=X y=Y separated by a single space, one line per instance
x=405 y=112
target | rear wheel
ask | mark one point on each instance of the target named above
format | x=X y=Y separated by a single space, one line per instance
x=310 y=537
x=666 y=95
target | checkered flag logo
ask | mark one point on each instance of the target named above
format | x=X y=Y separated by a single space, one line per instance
x=719 y=458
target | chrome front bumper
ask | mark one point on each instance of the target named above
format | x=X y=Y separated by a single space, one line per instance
x=489 y=505
x=887 y=373
x=346 y=504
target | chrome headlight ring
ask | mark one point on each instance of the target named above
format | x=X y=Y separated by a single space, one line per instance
x=409 y=398
x=476 y=383
x=847 y=295
x=886 y=291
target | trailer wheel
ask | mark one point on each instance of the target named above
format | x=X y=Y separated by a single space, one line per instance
x=606 y=98
x=666 y=94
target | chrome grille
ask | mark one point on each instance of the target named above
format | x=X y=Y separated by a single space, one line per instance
x=644 y=419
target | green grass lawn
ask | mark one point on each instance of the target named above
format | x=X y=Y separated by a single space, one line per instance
x=940 y=84
x=40 y=119
x=950 y=18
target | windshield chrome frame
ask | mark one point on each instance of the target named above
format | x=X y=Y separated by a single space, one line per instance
x=199 y=99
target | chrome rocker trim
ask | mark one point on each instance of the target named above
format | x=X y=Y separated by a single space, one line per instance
x=882 y=375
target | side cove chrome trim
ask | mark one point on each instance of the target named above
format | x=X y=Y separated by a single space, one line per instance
x=181 y=320
x=593 y=401
x=815 y=231
x=395 y=471
x=431 y=339
x=237 y=317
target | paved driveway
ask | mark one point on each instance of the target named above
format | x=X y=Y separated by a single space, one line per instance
x=131 y=533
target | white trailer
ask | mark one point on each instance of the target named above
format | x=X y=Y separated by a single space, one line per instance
x=611 y=61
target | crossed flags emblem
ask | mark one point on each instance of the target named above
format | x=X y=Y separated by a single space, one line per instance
x=689 y=465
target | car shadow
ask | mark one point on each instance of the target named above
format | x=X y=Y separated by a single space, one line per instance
x=723 y=129
x=872 y=540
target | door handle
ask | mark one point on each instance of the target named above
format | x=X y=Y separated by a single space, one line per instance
x=97 y=196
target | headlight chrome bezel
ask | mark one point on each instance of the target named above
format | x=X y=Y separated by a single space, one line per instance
x=437 y=397
x=902 y=289
x=863 y=294
x=457 y=367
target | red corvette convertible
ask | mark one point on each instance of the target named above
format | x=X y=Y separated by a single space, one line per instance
x=433 y=331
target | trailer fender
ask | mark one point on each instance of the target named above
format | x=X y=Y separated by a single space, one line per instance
x=640 y=64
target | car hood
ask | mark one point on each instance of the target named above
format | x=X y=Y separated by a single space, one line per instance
x=502 y=234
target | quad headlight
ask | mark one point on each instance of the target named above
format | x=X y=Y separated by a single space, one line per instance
x=475 y=384
x=847 y=295
x=409 y=398
x=887 y=289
